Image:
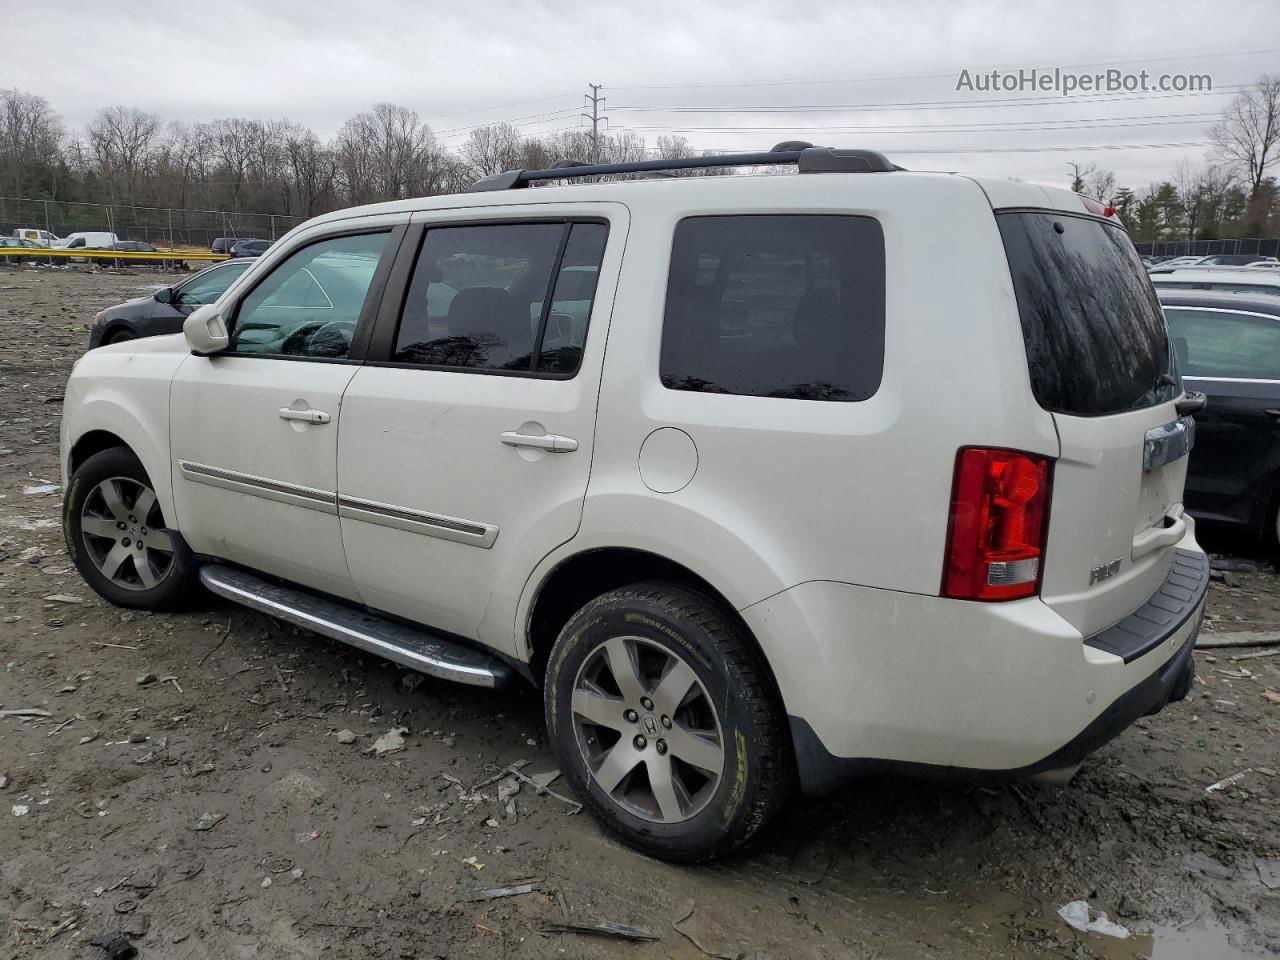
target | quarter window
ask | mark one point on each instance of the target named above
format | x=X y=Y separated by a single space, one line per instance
x=776 y=306
x=1227 y=345
x=478 y=299
x=308 y=306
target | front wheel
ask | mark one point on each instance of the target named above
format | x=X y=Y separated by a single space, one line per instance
x=666 y=721
x=117 y=535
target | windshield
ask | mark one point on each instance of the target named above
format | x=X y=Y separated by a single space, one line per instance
x=1095 y=336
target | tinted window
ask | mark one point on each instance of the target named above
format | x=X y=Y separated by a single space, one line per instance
x=776 y=306
x=209 y=285
x=1094 y=333
x=479 y=297
x=1222 y=344
x=308 y=305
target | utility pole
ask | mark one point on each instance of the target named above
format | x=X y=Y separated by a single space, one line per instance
x=596 y=118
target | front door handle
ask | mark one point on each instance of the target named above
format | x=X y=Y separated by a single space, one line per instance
x=550 y=442
x=306 y=416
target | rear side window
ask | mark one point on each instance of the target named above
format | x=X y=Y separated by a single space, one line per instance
x=512 y=297
x=1223 y=344
x=776 y=306
x=1094 y=333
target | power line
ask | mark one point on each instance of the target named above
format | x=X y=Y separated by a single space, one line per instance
x=863 y=78
x=971 y=104
x=499 y=106
x=1017 y=126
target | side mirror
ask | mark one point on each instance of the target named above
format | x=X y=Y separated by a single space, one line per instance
x=206 y=331
x=164 y=295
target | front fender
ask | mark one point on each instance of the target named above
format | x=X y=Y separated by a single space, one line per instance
x=125 y=394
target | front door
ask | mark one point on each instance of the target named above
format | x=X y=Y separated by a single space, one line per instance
x=254 y=429
x=465 y=442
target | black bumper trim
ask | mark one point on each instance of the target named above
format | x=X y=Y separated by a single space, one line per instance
x=821 y=772
x=1164 y=612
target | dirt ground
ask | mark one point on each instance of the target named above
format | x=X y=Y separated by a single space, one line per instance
x=327 y=850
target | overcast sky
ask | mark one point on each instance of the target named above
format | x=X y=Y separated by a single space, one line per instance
x=739 y=68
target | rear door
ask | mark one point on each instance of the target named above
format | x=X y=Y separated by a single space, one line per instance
x=466 y=441
x=1233 y=356
x=1100 y=362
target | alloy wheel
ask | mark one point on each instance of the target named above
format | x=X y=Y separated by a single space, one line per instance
x=124 y=534
x=647 y=730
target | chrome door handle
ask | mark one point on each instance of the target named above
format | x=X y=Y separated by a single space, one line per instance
x=306 y=416
x=548 y=441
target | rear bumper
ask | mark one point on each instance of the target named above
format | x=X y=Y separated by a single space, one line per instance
x=880 y=682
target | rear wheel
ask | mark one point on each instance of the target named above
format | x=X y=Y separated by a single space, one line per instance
x=666 y=722
x=118 y=538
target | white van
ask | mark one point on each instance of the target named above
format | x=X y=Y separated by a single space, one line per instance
x=88 y=240
x=707 y=459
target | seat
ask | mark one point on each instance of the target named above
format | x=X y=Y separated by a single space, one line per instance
x=501 y=335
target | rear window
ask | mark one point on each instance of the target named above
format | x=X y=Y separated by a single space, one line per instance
x=776 y=306
x=1095 y=336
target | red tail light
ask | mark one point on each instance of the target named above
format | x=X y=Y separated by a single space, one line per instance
x=999 y=519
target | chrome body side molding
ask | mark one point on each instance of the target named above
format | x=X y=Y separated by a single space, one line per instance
x=471 y=532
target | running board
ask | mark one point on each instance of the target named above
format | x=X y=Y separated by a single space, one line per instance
x=410 y=647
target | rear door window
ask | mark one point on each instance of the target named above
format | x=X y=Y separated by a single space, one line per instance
x=478 y=299
x=1222 y=344
x=776 y=306
x=1094 y=333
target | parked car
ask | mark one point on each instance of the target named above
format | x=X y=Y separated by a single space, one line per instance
x=41 y=238
x=1172 y=263
x=1234 y=259
x=163 y=311
x=773 y=531
x=8 y=246
x=1226 y=279
x=249 y=248
x=135 y=246
x=222 y=245
x=1228 y=347
x=88 y=240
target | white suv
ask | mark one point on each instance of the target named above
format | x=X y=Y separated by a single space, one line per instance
x=709 y=459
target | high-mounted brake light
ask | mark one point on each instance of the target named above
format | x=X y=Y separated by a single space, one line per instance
x=1096 y=208
x=999 y=519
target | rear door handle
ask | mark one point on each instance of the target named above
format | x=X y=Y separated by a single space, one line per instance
x=306 y=416
x=550 y=442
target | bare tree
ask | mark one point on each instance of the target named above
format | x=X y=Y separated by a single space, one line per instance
x=121 y=140
x=1248 y=136
x=1100 y=184
x=1079 y=174
x=492 y=149
x=31 y=138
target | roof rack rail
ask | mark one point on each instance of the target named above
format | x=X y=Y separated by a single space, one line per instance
x=806 y=157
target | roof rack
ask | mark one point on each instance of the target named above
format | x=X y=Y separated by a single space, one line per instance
x=806 y=157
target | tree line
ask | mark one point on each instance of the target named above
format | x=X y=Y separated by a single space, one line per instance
x=129 y=157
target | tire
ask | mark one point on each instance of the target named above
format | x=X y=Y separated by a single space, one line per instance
x=618 y=759
x=120 y=336
x=116 y=535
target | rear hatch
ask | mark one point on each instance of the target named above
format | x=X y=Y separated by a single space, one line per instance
x=1100 y=362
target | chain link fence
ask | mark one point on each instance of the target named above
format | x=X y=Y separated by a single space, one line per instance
x=159 y=226
x=1265 y=247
